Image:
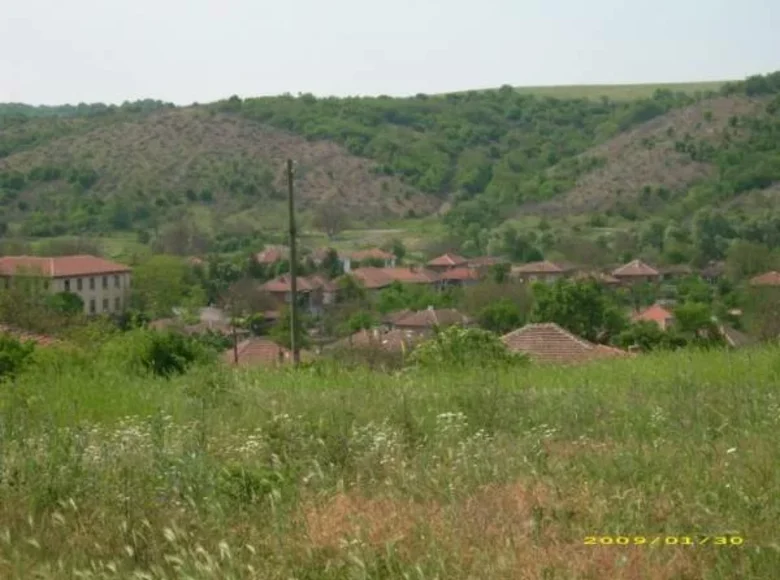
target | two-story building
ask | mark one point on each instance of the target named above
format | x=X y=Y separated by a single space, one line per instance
x=103 y=285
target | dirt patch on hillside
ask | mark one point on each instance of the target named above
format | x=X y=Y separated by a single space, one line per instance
x=646 y=156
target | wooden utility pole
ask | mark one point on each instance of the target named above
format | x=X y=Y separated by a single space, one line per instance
x=293 y=269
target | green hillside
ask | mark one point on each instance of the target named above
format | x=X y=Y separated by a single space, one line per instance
x=487 y=156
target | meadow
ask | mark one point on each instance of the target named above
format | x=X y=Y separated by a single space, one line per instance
x=331 y=473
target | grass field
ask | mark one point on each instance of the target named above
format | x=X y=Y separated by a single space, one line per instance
x=619 y=92
x=334 y=474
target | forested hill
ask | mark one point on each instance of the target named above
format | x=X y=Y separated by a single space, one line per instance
x=98 y=168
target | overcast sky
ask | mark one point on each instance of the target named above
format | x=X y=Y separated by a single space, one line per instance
x=69 y=51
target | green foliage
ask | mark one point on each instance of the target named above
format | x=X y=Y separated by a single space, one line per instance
x=456 y=346
x=281 y=333
x=162 y=283
x=359 y=321
x=66 y=303
x=399 y=296
x=13 y=354
x=162 y=354
x=695 y=322
x=584 y=308
x=648 y=336
x=501 y=317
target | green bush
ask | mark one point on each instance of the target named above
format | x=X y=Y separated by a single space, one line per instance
x=162 y=354
x=13 y=355
x=457 y=347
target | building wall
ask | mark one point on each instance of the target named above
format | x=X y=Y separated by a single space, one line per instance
x=99 y=297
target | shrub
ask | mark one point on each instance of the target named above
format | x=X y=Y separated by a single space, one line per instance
x=13 y=355
x=163 y=354
x=458 y=347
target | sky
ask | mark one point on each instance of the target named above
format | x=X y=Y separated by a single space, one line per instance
x=185 y=51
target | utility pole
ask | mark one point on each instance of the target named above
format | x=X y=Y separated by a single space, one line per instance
x=293 y=269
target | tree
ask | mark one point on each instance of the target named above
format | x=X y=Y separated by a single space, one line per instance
x=361 y=320
x=695 y=322
x=330 y=217
x=160 y=284
x=332 y=264
x=397 y=248
x=648 y=336
x=281 y=332
x=501 y=317
x=456 y=347
x=582 y=307
x=746 y=259
x=66 y=303
x=13 y=355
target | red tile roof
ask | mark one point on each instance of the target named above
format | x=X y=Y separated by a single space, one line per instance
x=634 y=268
x=544 y=267
x=373 y=278
x=767 y=279
x=60 y=267
x=432 y=317
x=459 y=274
x=273 y=254
x=282 y=284
x=392 y=340
x=598 y=276
x=372 y=254
x=548 y=342
x=24 y=336
x=655 y=313
x=395 y=316
x=318 y=282
x=448 y=260
x=257 y=351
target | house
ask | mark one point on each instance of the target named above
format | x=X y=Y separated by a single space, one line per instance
x=636 y=271
x=102 y=285
x=766 y=279
x=485 y=262
x=374 y=279
x=272 y=254
x=394 y=340
x=460 y=276
x=323 y=293
x=655 y=313
x=712 y=271
x=280 y=288
x=446 y=262
x=425 y=320
x=549 y=343
x=257 y=351
x=543 y=271
x=372 y=255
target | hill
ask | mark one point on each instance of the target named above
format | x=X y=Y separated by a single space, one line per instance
x=484 y=155
x=123 y=171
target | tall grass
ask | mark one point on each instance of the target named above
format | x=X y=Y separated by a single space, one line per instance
x=350 y=474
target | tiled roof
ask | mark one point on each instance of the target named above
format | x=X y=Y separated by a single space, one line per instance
x=393 y=317
x=392 y=340
x=544 y=267
x=24 y=336
x=548 y=342
x=654 y=313
x=257 y=351
x=373 y=278
x=767 y=279
x=634 y=268
x=598 y=276
x=432 y=317
x=60 y=267
x=282 y=284
x=448 y=260
x=459 y=273
x=320 y=254
x=273 y=254
x=372 y=254
x=318 y=282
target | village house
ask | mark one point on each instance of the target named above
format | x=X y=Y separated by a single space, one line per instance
x=460 y=277
x=324 y=292
x=257 y=351
x=549 y=343
x=676 y=271
x=373 y=255
x=600 y=277
x=102 y=285
x=657 y=314
x=636 y=272
x=393 y=340
x=319 y=255
x=375 y=279
x=272 y=255
x=424 y=321
x=544 y=271
x=446 y=262
x=280 y=289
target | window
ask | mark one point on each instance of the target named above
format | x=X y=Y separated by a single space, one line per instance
x=105 y=281
x=105 y=305
x=92 y=306
x=67 y=285
x=117 y=304
x=116 y=282
x=91 y=283
x=79 y=285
